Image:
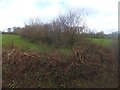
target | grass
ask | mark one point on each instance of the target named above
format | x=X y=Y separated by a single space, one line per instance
x=102 y=41
x=18 y=41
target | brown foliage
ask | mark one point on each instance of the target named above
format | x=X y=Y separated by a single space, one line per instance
x=38 y=69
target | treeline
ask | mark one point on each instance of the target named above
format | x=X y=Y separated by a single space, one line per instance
x=64 y=31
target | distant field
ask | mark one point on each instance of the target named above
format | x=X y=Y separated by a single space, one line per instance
x=103 y=41
x=8 y=40
x=18 y=41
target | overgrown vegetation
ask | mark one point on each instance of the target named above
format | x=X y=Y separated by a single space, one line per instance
x=59 y=54
x=63 y=32
x=33 y=69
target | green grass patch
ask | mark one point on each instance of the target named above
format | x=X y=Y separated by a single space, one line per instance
x=18 y=41
x=102 y=41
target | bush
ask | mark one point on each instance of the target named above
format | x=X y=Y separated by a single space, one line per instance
x=61 y=32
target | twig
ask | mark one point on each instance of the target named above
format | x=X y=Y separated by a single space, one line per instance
x=29 y=55
x=9 y=54
x=67 y=69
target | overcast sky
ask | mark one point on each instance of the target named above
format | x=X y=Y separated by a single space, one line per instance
x=102 y=15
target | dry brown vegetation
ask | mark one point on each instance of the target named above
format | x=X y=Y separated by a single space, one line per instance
x=38 y=69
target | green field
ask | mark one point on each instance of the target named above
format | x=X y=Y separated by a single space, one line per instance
x=18 y=41
x=102 y=41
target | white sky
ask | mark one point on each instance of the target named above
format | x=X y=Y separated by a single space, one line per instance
x=102 y=14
